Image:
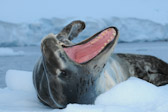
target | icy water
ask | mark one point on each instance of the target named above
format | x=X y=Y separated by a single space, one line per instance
x=27 y=61
x=24 y=62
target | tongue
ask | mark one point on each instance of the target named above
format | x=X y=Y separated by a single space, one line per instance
x=85 y=52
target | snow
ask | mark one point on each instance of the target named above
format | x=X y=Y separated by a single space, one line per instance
x=23 y=77
x=132 y=95
x=127 y=94
x=10 y=52
x=19 y=95
x=131 y=30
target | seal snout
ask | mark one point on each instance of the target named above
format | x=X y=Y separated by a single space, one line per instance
x=49 y=43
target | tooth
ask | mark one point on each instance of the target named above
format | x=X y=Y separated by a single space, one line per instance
x=102 y=47
x=61 y=43
x=92 y=42
x=108 y=40
x=103 y=33
x=111 y=38
x=105 y=43
x=114 y=33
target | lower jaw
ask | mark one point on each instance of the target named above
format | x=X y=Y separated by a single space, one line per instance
x=85 y=52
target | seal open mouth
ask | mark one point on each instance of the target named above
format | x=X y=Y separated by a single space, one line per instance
x=91 y=47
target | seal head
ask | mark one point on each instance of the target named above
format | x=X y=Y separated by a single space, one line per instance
x=66 y=72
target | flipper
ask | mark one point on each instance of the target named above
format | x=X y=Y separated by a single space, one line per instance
x=147 y=67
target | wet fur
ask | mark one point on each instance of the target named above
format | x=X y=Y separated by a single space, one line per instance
x=59 y=81
x=147 y=67
x=120 y=67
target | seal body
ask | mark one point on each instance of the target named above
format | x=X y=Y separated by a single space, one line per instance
x=122 y=66
x=78 y=73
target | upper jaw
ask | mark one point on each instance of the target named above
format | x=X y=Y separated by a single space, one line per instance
x=52 y=43
x=84 y=51
x=92 y=47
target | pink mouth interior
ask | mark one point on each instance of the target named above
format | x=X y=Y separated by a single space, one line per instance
x=85 y=52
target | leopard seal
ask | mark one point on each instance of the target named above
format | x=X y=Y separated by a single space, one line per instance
x=78 y=73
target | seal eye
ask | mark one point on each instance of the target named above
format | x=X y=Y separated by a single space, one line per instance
x=63 y=74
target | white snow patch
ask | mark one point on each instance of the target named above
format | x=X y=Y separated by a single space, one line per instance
x=133 y=95
x=19 y=95
x=19 y=80
x=130 y=29
x=10 y=52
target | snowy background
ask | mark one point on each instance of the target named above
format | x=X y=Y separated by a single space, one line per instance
x=25 y=23
x=143 y=27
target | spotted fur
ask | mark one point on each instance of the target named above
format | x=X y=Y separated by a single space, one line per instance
x=59 y=81
x=146 y=67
